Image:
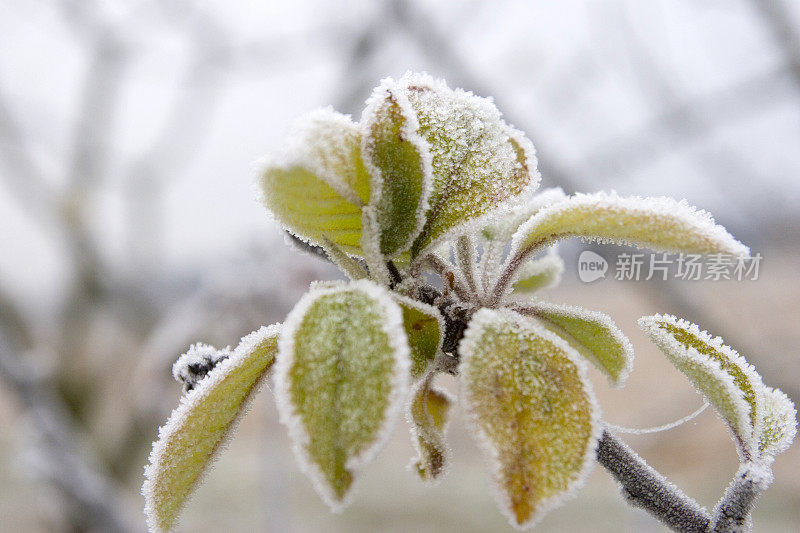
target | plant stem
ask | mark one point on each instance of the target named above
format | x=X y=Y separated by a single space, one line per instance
x=732 y=513
x=644 y=487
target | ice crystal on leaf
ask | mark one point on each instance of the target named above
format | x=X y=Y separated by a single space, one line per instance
x=341 y=379
x=199 y=426
x=761 y=419
x=592 y=334
x=433 y=183
x=527 y=396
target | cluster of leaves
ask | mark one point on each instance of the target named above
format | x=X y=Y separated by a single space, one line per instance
x=431 y=185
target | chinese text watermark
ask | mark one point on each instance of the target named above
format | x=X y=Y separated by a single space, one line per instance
x=688 y=267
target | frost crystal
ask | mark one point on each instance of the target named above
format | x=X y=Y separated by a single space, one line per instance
x=341 y=380
x=593 y=334
x=761 y=419
x=196 y=363
x=532 y=409
x=479 y=162
x=659 y=223
x=200 y=425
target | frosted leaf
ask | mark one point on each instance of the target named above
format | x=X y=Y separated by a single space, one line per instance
x=341 y=381
x=593 y=334
x=199 y=426
x=196 y=363
x=424 y=327
x=539 y=274
x=502 y=228
x=779 y=426
x=317 y=187
x=532 y=409
x=662 y=224
x=346 y=264
x=479 y=162
x=428 y=416
x=399 y=163
x=718 y=372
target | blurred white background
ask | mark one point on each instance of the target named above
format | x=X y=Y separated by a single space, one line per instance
x=129 y=131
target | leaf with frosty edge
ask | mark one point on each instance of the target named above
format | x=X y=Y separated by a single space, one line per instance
x=424 y=327
x=479 y=162
x=399 y=164
x=717 y=371
x=779 y=425
x=428 y=416
x=502 y=228
x=539 y=274
x=194 y=432
x=662 y=224
x=341 y=380
x=532 y=409
x=317 y=188
x=593 y=334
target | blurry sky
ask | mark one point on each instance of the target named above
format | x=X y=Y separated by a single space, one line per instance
x=692 y=99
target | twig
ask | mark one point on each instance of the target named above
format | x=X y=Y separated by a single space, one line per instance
x=465 y=255
x=644 y=487
x=450 y=279
x=732 y=513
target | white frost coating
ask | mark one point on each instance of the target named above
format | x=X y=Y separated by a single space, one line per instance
x=780 y=416
x=531 y=161
x=489 y=265
x=550 y=263
x=388 y=88
x=198 y=355
x=473 y=128
x=744 y=433
x=315 y=143
x=690 y=219
x=392 y=325
x=606 y=323
x=467 y=348
x=189 y=401
x=344 y=262
x=508 y=221
x=371 y=246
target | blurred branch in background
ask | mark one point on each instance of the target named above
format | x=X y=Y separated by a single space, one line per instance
x=86 y=459
x=778 y=21
x=97 y=502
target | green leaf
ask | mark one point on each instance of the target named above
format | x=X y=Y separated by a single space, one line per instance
x=424 y=327
x=539 y=274
x=532 y=408
x=503 y=227
x=429 y=413
x=400 y=168
x=341 y=380
x=317 y=188
x=593 y=334
x=718 y=372
x=346 y=264
x=479 y=163
x=195 y=431
x=779 y=424
x=662 y=224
